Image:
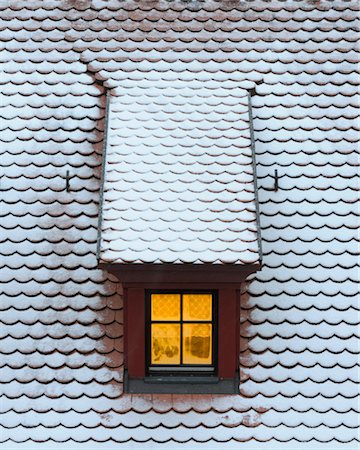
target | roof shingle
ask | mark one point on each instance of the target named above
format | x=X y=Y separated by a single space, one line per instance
x=61 y=355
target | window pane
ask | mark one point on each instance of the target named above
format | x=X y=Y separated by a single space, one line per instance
x=197 y=343
x=165 y=343
x=165 y=307
x=197 y=307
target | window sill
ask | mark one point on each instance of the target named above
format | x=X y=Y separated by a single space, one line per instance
x=181 y=385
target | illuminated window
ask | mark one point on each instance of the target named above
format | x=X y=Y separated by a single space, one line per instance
x=181 y=331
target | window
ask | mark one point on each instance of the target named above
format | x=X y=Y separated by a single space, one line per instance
x=181 y=333
x=181 y=341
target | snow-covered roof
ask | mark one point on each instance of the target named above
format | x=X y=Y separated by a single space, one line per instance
x=179 y=181
x=61 y=344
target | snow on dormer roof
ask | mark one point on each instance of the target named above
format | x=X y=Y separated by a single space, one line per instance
x=179 y=181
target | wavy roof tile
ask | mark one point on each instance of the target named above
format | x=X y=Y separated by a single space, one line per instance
x=61 y=317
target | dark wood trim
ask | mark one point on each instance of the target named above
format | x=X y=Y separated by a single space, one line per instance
x=209 y=286
x=237 y=329
x=126 y=326
x=180 y=273
x=228 y=318
x=135 y=331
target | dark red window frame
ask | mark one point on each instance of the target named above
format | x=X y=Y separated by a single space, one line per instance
x=228 y=323
x=185 y=369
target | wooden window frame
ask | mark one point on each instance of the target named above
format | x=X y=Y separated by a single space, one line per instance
x=181 y=369
x=226 y=379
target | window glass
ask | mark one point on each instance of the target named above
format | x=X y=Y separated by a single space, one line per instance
x=165 y=307
x=197 y=307
x=197 y=343
x=165 y=343
x=181 y=329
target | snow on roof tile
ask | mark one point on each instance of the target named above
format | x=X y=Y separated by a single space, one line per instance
x=180 y=169
x=61 y=317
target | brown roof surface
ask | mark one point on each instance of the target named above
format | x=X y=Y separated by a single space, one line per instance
x=61 y=332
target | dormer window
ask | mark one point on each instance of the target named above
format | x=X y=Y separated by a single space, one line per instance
x=179 y=227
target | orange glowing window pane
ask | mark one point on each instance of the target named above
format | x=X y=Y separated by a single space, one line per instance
x=197 y=343
x=165 y=343
x=197 y=307
x=165 y=307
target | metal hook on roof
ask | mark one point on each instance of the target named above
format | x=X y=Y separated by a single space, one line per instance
x=67 y=181
x=252 y=91
x=276 y=180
